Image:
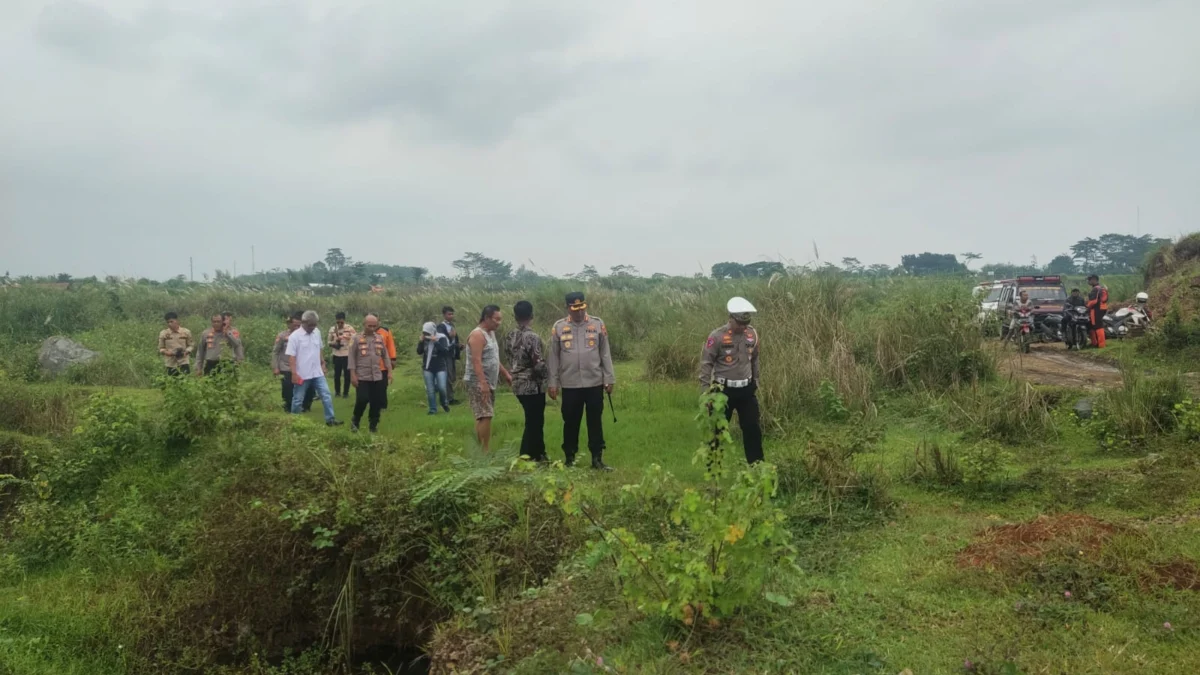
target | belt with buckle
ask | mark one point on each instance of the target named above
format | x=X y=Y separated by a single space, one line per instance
x=733 y=384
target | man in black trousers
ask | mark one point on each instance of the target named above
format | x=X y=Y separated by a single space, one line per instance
x=580 y=365
x=529 y=374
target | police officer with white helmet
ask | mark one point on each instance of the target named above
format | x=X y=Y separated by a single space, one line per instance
x=730 y=359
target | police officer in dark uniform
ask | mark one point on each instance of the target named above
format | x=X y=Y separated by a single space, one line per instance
x=730 y=359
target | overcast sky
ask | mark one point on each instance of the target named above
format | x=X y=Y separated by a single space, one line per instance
x=669 y=136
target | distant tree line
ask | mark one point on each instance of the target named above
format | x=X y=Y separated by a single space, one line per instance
x=1105 y=254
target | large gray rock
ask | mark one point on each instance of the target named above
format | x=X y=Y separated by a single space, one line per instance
x=59 y=353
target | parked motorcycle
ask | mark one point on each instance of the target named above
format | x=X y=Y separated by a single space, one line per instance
x=1049 y=328
x=1126 y=321
x=1024 y=332
x=1075 y=327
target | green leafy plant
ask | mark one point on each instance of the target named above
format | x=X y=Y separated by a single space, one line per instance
x=1187 y=419
x=201 y=406
x=982 y=461
x=725 y=541
x=831 y=402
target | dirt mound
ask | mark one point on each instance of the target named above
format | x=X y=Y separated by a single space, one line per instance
x=1013 y=546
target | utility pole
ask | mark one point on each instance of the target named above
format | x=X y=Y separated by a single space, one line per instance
x=191 y=270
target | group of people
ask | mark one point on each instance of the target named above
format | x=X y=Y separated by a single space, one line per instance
x=576 y=368
x=1096 y=302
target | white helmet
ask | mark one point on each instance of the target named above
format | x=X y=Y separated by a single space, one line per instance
x=740 y=309
x=1143 y=297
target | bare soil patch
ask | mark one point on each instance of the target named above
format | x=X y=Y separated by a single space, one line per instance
x=1053 y=365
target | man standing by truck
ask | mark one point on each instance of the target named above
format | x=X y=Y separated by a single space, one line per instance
x=1097 y=304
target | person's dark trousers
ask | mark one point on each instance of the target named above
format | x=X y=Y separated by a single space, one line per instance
x=533 y=441
x=574 y=402
x=369 y=393
x=341 y=370
x=744 y=400
x=288 y=388
x=210 y=366
x=184 y=369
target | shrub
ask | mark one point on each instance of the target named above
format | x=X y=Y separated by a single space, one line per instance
x=672 y=357
x=725 y=542
x=1010 y=412
x=1142 y=408
x=931 y=464
x=982 y=461
x=196 y=407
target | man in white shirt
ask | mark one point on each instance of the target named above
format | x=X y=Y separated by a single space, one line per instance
x=308 y=368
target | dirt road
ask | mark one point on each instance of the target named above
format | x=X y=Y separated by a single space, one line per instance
x=1052 y=364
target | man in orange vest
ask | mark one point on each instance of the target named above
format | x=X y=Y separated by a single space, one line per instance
x=1097 y=304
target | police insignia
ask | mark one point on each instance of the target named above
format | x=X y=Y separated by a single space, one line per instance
x=728 y=359
x=566 y=344
x=711 y=341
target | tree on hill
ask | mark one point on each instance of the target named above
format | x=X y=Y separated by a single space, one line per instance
x=478 y=266
x=335 y=259
x=764 y=269
x=1061 y=264
x=728 y=270
x=852 y=265
x=931 y=263
x=623 y=271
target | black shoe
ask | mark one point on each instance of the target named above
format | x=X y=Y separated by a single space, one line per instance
x=374 y=430
x=334 y=423
x=446 y=407
x=599 y=465
x=570 y=461
x=346 y=395
x=353 y=425
x=306 y=410
x=455 y=401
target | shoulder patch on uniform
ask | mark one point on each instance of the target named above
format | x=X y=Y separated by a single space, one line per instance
x=711 y=341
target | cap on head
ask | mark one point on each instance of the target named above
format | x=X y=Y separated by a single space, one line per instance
x=740 y=309
x=341 y=316
x=576 y=301
x=1093 y=276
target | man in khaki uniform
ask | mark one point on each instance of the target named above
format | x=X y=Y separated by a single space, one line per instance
x=281 y=365
x=212 y=344
x=175 y=345
x=580 y=364
x=370 y=372
x=340 y=334
x=730 y=359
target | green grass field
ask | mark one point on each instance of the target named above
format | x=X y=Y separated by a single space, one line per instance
x=129 y=547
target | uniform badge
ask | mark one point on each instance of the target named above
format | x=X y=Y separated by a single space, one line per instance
x=727 y=340
x=728 y=359
x=591 y=343
x=711 y=341
x=749 y=337
x=566 y=344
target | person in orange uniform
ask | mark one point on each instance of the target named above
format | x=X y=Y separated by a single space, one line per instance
x=1097 y=304
x=389 y=344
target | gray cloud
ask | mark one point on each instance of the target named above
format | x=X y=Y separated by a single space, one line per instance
x=667 y=137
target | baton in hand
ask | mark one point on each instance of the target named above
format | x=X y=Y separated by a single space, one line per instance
x=611 y=407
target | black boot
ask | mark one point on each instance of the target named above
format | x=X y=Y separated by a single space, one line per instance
x=599 y=464
x=354 y=423
x=570 y=459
